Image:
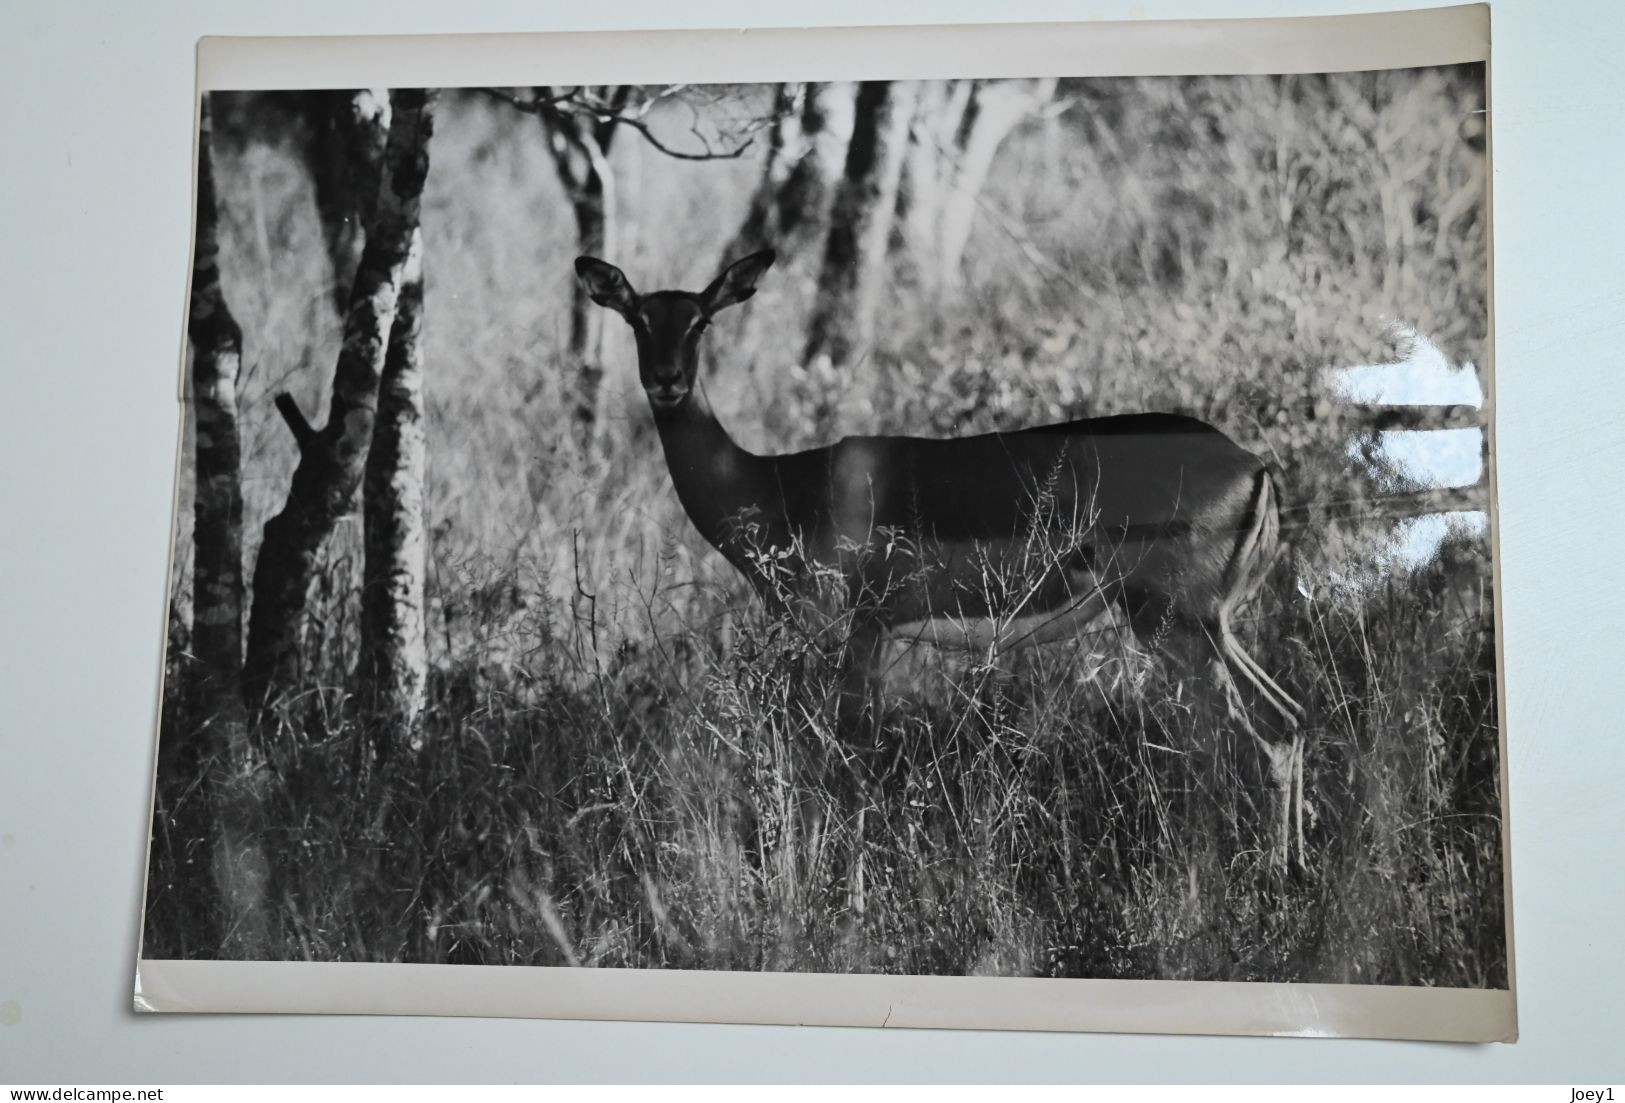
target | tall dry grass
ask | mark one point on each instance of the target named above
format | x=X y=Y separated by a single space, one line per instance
x=625 y=762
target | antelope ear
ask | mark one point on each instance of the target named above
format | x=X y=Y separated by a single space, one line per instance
x=737 y=282
x=607 y=285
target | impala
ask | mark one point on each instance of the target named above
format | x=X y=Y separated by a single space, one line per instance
x=996 y=540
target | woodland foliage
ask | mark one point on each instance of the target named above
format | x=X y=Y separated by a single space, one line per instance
x=621 y=760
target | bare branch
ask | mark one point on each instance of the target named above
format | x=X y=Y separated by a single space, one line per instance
x=303 y=433
x=535 y=105
x=665 y=93
x=1421 y=417
x=617 y=111
x=708 y=154
x=1407 y=503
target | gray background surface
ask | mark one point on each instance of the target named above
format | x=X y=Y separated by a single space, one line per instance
x=95 y=128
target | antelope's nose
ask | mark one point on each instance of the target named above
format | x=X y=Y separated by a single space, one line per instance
x=667 y=388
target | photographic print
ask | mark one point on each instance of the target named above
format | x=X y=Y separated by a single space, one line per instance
x=1009 y=526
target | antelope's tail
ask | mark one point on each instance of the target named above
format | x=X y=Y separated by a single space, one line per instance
x=1257 y=548
x=1258 y=544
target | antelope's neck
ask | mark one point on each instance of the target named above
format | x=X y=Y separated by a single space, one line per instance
x=716 y=480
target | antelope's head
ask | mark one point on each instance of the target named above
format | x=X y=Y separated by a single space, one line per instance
x=668 y=324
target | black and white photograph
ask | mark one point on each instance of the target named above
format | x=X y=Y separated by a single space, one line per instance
x=1023 y=527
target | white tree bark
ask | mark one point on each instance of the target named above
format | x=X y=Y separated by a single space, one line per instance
x=394 y=663
x=956 y=140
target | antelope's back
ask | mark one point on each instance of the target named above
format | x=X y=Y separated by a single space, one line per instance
x=1136 y=473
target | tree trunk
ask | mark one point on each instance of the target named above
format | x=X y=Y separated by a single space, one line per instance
x=954 y=140
x=843 y=318
x=219 y=755
x=217 y=508
x=590 y=204
x=580 y=150
x=344 y=154
x=394 y=647
x=996 y=107
x=788 y=204
x=331 y=460
x=760 y=229
x=933 y=149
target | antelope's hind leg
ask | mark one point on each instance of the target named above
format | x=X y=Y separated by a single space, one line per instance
x=1284 y=753
x=1278 y=756
x=1298 y=803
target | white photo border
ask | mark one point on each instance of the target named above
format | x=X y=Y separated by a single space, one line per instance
x=1394 y=40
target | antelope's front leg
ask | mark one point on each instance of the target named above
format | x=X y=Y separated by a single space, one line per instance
x=861 y=716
